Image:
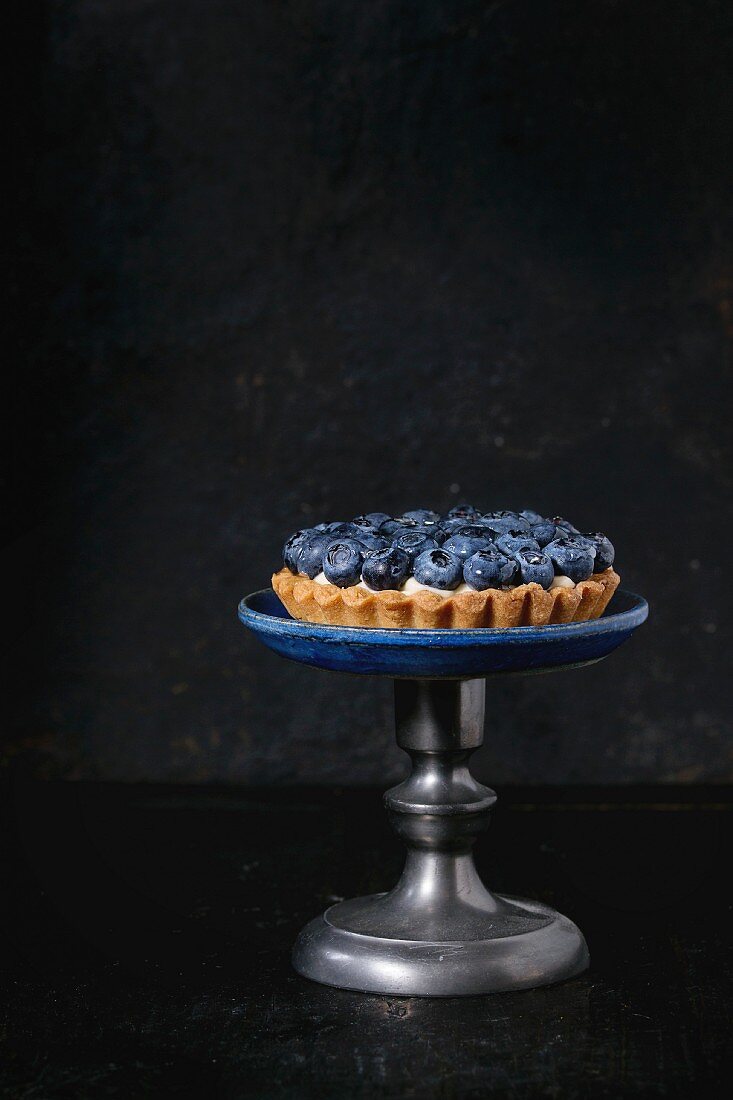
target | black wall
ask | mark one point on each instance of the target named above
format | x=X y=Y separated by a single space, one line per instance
x=288 y=261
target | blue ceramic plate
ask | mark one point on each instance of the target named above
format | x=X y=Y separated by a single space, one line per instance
x=440 y=653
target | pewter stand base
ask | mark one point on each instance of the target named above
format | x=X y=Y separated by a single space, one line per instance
x=439 y=932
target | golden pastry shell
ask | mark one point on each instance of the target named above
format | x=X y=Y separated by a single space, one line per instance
x=525 y=605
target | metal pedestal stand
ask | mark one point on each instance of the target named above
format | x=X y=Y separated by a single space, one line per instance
x=440 y=932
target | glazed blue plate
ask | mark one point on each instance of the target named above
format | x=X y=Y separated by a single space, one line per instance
x=436 y=654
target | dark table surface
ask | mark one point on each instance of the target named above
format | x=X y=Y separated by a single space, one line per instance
x=146 y=952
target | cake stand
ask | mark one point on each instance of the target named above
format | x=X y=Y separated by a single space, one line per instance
x=440 y=932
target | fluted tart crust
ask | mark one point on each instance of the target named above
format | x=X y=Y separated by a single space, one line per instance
x=525 y=605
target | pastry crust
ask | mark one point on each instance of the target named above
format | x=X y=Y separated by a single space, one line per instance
x=526 y=605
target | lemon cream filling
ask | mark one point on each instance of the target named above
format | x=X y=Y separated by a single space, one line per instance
x=411 y=586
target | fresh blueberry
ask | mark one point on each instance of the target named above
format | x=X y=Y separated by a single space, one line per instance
x=291 y=549
x=475 y=531
x=411 y=529
x=506 y=523
x=389 y=527
x=544 y=532
x=467 y=540
x=535 y=568
x=511 y=544
x=482 y=521
x=463 y=511
x=383 y=569
x=372 y=541
x=344 y=530
x=342 y=562
x=377 y=518
x=531 y=516
x=454 y=523
x=310 y=555
x=370 y=537
x=414 y=542
x=365 y=524
x=327 y=526
x=565 y=525
x=438 y=569
x=605 y=552
x=423 y=516
x=579 y=540
x=489 y=568
x=571 y=560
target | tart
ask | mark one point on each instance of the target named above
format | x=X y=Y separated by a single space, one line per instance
x=466 y=569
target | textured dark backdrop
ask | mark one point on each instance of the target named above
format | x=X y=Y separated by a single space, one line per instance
x=287 y=261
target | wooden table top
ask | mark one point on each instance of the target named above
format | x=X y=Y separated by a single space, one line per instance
x=148 y=929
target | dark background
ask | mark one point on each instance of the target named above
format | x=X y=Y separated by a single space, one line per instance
x=281 y=262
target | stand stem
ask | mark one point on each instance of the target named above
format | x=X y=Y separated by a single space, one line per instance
x=440 y=809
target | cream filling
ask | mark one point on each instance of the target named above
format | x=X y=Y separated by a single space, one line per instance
x=411 y=586
x=562 y=582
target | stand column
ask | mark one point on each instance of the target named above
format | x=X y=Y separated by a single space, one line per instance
x=439 y=932
x=439 y=811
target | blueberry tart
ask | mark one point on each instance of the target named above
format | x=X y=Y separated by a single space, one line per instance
x=466 y=569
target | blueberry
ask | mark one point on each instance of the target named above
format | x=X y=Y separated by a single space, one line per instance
x=344 y=530
x=291 y=549
x=467 y=540
x=454 y=523
x=370 y=537
x=543 y=532
x=506 y=523
x=434 y=532
x=342 y=562
x=328 y=526
x=578 y=540
x=535 y=568
x=573 y=561
x=389 y=527
x=605 y=552
x=482 y=521
x=377 y=518
x=414 y=542
x=463 y=511
x=531 y=516
x=383 y=569
x=310 y=555
x=565 y=525
x=489 y=568
x=422 y=516
x=438 y=569
x=474 y=531
x=365 y=524
x=371 y=541
x=411 y=529
x=510 y=544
